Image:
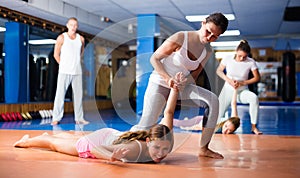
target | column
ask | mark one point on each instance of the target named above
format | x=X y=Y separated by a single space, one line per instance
x=16 y=63
x=147 y=28
x=89 y=78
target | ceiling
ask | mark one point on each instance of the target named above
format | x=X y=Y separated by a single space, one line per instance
x=259 y=21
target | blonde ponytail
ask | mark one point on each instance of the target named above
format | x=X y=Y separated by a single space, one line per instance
x=157 y=132
x=131 y=136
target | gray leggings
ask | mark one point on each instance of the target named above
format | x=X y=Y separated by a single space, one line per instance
x=193 y=95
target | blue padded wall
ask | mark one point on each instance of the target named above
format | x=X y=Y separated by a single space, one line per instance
x=16 y=63
x=148 y=26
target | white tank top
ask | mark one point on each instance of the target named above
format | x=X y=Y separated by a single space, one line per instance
x=70 y=56
x=178 y=62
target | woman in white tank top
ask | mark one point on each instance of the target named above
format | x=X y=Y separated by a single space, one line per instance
x=186 y=52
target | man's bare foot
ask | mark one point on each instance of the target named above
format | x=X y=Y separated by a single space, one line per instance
x=82 y=122
x=256 y=131
x=54 y=123
x=205 y=152
x=20 y=143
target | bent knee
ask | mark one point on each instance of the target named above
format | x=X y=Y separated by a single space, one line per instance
x=214 y=100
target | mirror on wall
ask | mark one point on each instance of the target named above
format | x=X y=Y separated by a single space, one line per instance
x=42 y=67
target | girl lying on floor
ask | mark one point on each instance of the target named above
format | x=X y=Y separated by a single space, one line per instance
x=113 y=145
x=225 y=126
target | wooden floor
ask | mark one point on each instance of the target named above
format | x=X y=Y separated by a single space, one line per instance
x=245 y=155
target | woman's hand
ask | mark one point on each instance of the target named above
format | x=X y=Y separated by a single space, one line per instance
x=177 y=82
x=241 y=83
x=238 y=84
x=172 y=83
x=181 y=80
x=233 y=83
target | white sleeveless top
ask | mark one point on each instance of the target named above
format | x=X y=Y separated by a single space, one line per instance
x=178 y=62
x=70 y=56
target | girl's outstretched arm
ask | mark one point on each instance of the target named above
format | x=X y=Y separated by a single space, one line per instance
x=112 y=154
x=170 y=109
x=118 y=152
x=171 y=102
x=234 y=112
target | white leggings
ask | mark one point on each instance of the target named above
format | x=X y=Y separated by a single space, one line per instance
x=244 y=96
x=63 y=82
x=193 y=95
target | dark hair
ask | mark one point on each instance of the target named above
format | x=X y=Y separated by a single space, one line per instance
x=219 y=20
x=157 y=132
x=235 y=121
x=244 y=46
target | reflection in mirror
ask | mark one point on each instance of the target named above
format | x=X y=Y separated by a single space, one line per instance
x=43 y=69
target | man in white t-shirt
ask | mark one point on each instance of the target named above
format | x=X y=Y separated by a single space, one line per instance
x=67 y=52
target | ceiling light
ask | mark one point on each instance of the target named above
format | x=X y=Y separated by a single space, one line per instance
x=225 y=43
x=199 y=18
x=105 y=19
x=42 y=42
x=231 y=33
x=132 y=47
x=222 y=54
x=2 y=29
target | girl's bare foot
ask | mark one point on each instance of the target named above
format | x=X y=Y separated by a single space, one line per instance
x=192 y=128
x=22 y=141
x=205 y=152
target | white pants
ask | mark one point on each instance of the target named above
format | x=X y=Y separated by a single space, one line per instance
x=193 y=95
x=63 y=82
x=244 y=96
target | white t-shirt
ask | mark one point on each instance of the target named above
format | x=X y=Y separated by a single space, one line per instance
x=238 y=70
x=70 y=61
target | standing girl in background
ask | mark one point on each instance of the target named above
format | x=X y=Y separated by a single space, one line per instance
x=225 y=126
x=236 y=77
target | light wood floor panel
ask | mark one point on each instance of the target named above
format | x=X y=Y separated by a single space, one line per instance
x=245 y=155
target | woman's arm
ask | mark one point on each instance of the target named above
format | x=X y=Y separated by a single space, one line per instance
x=254 y=79
x=221 y=74
x=171 y=45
